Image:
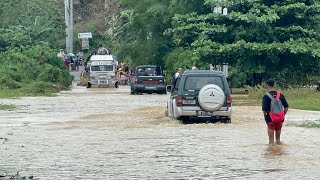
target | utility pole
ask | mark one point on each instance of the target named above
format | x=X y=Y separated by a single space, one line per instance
x=68 y=4
x=224 y=67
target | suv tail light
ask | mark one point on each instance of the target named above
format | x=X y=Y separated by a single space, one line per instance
x=229 y=101
x=179 y=101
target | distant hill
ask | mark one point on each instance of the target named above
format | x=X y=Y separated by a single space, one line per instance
x=99 y=13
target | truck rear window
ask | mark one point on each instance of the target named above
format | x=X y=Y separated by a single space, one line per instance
x=149 y=71
x=102 y=68
x=197 y=82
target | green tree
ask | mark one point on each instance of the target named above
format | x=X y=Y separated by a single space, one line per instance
x=40 y=20
x=260 y=39
x=145 y=42
x=29 y=39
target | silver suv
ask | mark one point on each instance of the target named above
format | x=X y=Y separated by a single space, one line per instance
x=200 y=94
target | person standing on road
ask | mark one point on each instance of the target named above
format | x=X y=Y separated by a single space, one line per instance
x=274 y=127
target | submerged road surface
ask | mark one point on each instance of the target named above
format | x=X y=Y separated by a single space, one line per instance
x=109 y=134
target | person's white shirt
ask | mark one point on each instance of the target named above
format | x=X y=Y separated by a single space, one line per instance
x=177 y=75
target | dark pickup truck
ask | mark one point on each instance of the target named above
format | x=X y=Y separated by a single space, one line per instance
x=148 y=79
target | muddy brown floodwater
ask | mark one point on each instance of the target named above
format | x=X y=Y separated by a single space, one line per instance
x=109 y=134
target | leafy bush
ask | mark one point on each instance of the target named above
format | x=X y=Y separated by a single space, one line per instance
x=39 y=88
x=35 y=69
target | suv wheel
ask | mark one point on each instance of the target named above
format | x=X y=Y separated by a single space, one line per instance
x=226 y=121
x=183 y=118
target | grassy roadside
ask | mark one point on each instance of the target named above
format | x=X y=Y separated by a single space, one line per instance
x=16 y=93
x=303 y=98
x=7 y=107
x=313 y=125
x=9 y=93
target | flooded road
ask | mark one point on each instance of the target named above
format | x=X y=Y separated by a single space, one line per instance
x=109 y=134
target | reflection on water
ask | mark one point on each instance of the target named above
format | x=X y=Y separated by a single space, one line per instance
x=276 y=150
x=91 y=134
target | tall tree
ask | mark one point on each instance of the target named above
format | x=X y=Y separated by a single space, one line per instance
x=41 y=20
x=149 y=20
x=260 y=38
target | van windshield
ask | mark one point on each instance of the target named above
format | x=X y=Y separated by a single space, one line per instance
x=102 y=68
x=197 y=82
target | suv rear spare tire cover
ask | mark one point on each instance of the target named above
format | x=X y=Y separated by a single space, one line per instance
x=211 y=97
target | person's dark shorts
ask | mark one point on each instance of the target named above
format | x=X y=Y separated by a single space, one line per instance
x=275 y=125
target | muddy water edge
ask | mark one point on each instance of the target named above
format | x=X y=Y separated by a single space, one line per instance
x=109 y=134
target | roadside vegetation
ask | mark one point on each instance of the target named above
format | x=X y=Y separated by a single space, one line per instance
x=307 y=124
x=29 y=42
x=259 y=40
x=17 y=176
x=6 y=107
x=298 y=98
x=313 y=125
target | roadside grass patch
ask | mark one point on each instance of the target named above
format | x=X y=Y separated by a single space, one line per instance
x=315 y=124
x=299 y=98
x=239 y=91
x=307 y=124
x=17 y=176
x=244 y=100
x=32 y=89
x=10 y=93
x=305 y=99
x=8 y=107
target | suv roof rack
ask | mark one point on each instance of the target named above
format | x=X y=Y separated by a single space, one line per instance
x=203 y=72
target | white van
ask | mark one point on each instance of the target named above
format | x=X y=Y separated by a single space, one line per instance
x=102 y=70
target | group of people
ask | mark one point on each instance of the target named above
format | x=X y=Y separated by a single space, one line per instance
x=71 y=61
x=124 y=74
x=179 y=72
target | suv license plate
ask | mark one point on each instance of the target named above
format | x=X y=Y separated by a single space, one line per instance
x=187 y=101
x=204 y=113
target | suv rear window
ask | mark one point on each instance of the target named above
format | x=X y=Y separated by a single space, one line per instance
x=197 y=82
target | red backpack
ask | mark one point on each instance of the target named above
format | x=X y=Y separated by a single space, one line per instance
x=276 y=108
